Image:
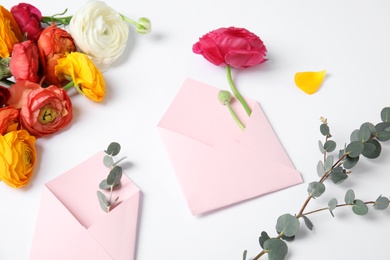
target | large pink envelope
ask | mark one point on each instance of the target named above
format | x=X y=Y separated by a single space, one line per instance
x=71 y=224
x=217 y=163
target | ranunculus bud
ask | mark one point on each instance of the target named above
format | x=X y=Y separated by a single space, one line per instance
x=224 y=96
x=24 y=63
x=53 y=43
x=100 y=32
x=235 y=47
x=144 y=26
x=29 y=19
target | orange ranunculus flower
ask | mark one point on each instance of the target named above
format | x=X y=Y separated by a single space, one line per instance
x=24 y=64
x=17 y=158
x=9 y=119
x=10 y=33
x=53 y=43
x=86 y=77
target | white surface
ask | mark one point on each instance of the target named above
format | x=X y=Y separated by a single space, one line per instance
x=350 y=39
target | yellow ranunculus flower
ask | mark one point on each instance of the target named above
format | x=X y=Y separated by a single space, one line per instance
x=10 y=33
x=86 y=77
x=17 y=158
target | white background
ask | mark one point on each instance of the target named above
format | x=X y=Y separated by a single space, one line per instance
x=349 y=38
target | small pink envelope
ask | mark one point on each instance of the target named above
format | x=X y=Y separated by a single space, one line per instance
x=71 y=224
x=217 y=163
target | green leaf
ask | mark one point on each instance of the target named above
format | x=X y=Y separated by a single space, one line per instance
x=355 y=135
x=383 y=126
x=316 y=189
x=338 y=175
x=115 y=175
x=321 y=147
x=359 y=208
x=308 y=223
x=332 y=204
x=364 y=133
x=372 y=149
x=113 y=149
x=276 y=249
x=385 y=114
x=350 y=162
x=329 y=162
x=329 y=146
x=349 y=196
x=355 y=149
x=104 y=186
x=244 y=255
x=263 y=237
x=108 y=161
x=370 y=127
x=288 y=225
x=324 y=129
x=383 y=136
x=320 y=169
x=381 y=203
x=104 y=204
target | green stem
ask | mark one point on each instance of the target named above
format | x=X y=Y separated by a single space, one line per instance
x=235 y=91
x=129 y=20
x=62 y=20
x=69 y=85
x=234 y=116
x=338 y=206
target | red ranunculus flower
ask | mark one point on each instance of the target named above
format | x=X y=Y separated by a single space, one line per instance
x=9 y=119
x=53 y=43
x=24 y=63
x=235 y=47
x=4 y=95
x=44 y=111
x=29 y=19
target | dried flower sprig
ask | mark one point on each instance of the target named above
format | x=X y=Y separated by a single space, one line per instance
x=113 y=179
x=365 y=141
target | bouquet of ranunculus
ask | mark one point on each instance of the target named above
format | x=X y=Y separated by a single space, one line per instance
x=39 y=62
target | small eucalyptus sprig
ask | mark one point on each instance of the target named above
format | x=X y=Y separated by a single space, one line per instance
x=364 y=141
x=113 y=179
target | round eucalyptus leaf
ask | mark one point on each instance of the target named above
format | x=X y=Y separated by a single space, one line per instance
x=114 y=176
x=324 y=129
x=370 y=127
x=103 y=202
x=372 y=149
x=316 y=189
x=350 y=162
x=321 y=146
x=288 y=225
x=104 y=186
x=308 y=222
x=364 y=133
x=355 y=149
x=320 y=169
x=385 y=114
x=276 y=249
x=383 y=136
x=338 y=175
x=381 y=203
x=349 y=196
x=355 y=135
x=108 y=161
x=113 y=149
x=263 y=237
x=329 y=146
x=332 y=204
x=382 y=126
x=329 y=162
x=359 y=208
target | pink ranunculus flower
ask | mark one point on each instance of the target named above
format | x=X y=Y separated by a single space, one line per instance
x=9 y=119
x=24 y=64
x=28 y=17
x=44 y=111
x=235 y=47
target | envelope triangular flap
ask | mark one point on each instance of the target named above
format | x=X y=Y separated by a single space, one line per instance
x=217 y=168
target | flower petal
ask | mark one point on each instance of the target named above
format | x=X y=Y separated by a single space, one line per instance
x=309 y=81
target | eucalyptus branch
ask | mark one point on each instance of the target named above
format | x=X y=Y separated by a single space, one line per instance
x=365 y=142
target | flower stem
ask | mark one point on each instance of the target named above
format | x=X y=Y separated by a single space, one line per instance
x=62 y=20
x=69 y=85
x=127 y=19
x=234 y=116
x=235 y=91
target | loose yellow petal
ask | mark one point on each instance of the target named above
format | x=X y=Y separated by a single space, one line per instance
x=310 y=81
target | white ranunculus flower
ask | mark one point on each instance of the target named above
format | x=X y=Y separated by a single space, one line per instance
x=100 y=32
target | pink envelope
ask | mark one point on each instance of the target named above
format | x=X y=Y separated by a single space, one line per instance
x=216 y=163
x=71 y=224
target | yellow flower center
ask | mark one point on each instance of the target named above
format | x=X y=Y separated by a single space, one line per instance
x=47 y=115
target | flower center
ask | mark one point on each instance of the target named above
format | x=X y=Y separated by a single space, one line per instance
x=47 y=115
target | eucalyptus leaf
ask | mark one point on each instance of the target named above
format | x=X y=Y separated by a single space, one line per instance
x=114 y=176
x=381 y=203
x=316 y=189
x=320 y=169
x=355 y=149
x=329 y=162
x=113 y=149
x=372 y=149
x=382 y=126
x=329 y=146
x=108 y=161
x=370 y=127
x=332 y=204
x=103 y=202
x=276 y=249
x=338 y=175
x=385 y=114
x=364 y=133
x=308 y=223
x=324 y=129
x=349 y=196
x=263 y=237
x=104 y=186
x=383 y=136
x=359 y=208
x=350 y=162
x=355 y=135
x=244 y=255
x=321 y=146
x=288 y=225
